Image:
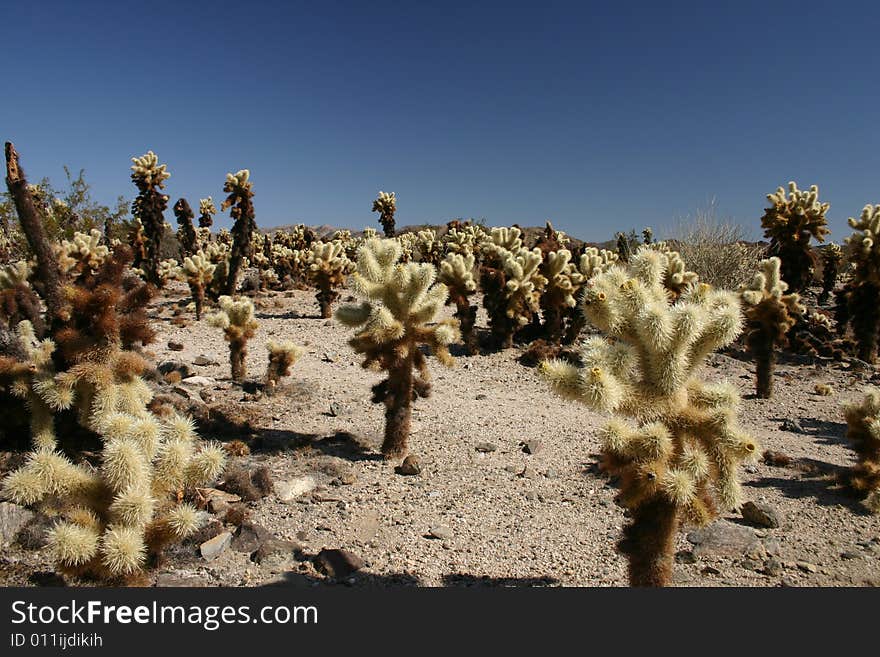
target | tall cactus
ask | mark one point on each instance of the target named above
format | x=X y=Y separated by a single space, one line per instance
x=399 y=300
x=240 y=190
x=678 y=462
x=386 y=205
x=832 y=256
x=863 y=431
x=859 y=301
x=327 y=266
x=148 y=207
x=187 y=239
x=236 y=318
x=457 y=273
x=791 y=222
x=771 y=314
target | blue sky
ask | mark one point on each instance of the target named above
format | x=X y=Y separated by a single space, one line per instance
x=598 y=116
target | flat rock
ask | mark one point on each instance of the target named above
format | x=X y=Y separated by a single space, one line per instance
x=204 y=361
x=276 y=552
x=179 y=580
x=723 y=538
x=485 y=447
x=198 y=381
x=213 y=548
x=13 y=518
x=337 y=409
x=760 y=514
x=338 y=563
x=532 y=446
x=442 y=532
x=175 y=346
x=289 y=490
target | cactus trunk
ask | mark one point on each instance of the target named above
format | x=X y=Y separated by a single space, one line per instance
x=649 y=542
x=398 y=410
x=236 y=356
x=865 y=319
x=467 y=318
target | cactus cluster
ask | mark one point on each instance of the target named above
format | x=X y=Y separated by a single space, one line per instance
x=859 y=300
x=392 y=322
x=791 y=222
x=240 y=192
x=771 y=314
x=832 y=256
x=678 y=462
x=282 y=356
x=197 y=271
x=327 y=266
x=863 y=432
x=457 y=272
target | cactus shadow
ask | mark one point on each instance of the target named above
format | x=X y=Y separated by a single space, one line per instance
x=292 y=579
x=342 y=444
x=466 y=580
x=830 y=433
x=823 y=487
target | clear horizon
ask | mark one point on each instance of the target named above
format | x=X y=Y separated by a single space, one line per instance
x=599 y=119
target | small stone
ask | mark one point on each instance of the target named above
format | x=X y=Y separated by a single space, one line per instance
x=710 y=570
x=849 y=554
x=773 y=567
x=175 y=346
x=207 y=396
x=213 y=548
x=685 y=556
x=337 y=563
x=347 y=478
x=771 y=545
x=203 y=360
x=791 y=425
x=179 y=580
x=807 y=567
x=441 y=532
x=532 y=446
x=723 y=538
x=329 y=357
x=760 y=514
x=249 y=537
x=337 y=409
x=481 y=397
x=551 y=473
x=410 y=467
x=485 y=447
x=180 y=390
x=13 y=518
x=752 y=564
x=275 y=552
x=291 y=489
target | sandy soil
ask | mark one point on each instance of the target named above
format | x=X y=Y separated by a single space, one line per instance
x=506 y=517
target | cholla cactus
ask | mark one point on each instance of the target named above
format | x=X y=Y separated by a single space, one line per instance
x=282 y=356
x=236 y=318
x=791 y=222
x=240 y=190
x=207 y=210
x=168 y=270
x=770 y=313
x=511 y=282
x=832 y=256
x=559 y=296
x=392 y=323
x=198 y=272
x=148 y=207
x=859 y=302
x=327 y=267
x=679 y=461
x=386 y=205
x=464 y=238
x=457 y=273
x=427 y=247
x=218 y=253
x=186 y=233
x=18 y=301
x=84 y=254
x=863 y=431
x=591 y=262
x=647 y=235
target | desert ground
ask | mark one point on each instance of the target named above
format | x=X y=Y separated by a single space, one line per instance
x=509 y=492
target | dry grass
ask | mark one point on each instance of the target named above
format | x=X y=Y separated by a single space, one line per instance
x=716 y=249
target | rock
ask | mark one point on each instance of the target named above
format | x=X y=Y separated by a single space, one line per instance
x=532 y=446
x=771 y=545
x=337 y=409
x=752 y=564
x=13 y=518
x=338 y=563
x=685 y=556
x=216 y=546
x=328 y=357
x=249 y=537
x=180 y=390
x=710 y=570
x=441 y=532
x=723 y=538
x=481 y=397
x=791 y=425
x=485 y=447
x=276 y=553
x=169 y=366
x=773 y=567
x=217 y=501
x=206 y=395
x=807 y=567
x=410 y=467
x=760 y=514
x=850 y=554
x=203 y=360
x=175 y=346
x=179 y=580
x=198 y=381
x=206 y=532
x=289 y=490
